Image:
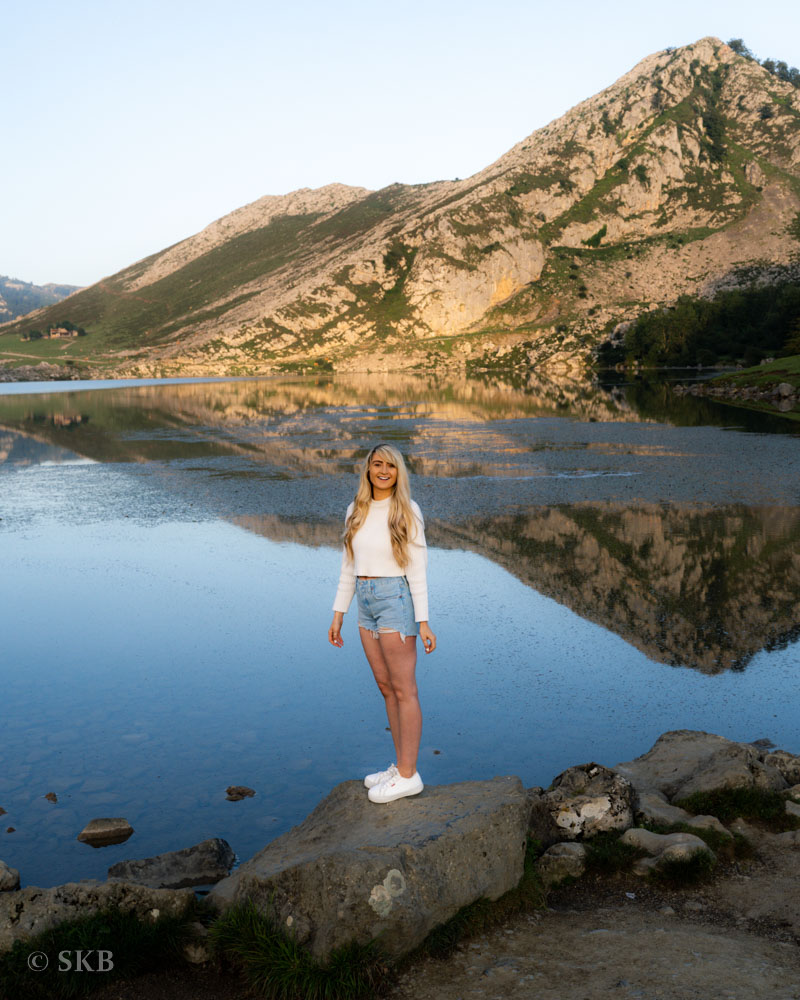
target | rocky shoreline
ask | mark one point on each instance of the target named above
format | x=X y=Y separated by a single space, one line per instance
x=42 y=372
x=783 y=396
x=352 y=871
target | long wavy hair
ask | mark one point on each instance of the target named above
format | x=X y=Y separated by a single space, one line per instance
x=402 y=524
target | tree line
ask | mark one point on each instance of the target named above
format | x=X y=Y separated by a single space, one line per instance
x=778 y=68
x=739 y=326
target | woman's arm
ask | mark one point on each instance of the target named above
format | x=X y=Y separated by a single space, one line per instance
x=335 y=631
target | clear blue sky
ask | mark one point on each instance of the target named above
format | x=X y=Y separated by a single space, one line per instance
x=131 y=126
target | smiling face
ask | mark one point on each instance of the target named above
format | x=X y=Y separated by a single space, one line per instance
x=382 y=475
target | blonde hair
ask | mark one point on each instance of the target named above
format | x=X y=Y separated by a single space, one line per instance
x=401 y=513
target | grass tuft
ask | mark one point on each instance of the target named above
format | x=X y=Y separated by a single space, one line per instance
x=606 y=854
x=756 y=805
x=677 y=874
x=276 y=966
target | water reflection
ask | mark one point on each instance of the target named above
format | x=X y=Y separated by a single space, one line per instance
x=706 y=589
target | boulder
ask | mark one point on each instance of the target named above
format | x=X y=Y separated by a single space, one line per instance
x=785 y=389
x=792 y=808
x=654 y=808
x=787 y=763
x=664 y=847
x=541 y=825
x=106 y=830
x=589 y=799
x=684 y=761
x=30 y=911
x=9 y=878
x=354 y=871
x=199 y=865
x=567 y=860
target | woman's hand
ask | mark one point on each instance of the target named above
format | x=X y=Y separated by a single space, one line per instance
x=428 y=638
x=335 y=631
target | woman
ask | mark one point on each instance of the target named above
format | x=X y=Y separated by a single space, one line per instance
x=384 y=563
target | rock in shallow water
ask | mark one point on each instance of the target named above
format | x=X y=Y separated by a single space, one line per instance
x=106 y=830
x=202 y=864
x=353 y=870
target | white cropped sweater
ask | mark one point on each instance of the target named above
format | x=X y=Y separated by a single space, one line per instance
x=373 y=556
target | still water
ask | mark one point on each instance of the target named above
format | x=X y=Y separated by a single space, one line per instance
x=605 y=565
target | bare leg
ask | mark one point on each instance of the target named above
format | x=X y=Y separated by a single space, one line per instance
x=380 y=670
x=400 y=657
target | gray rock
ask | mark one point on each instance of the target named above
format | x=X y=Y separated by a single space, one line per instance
x=684 y=761
x=202 y=864
x=589 y=799
x=542 y=826
x=792 y=808
x=793 y=793
x=106 y=830
x=664 y=847
x=353 y=870
x=785 y=389
x=561 y=861
x=653 y=807
x=787 y=763
x=9 y=878
x=29 y=911
x=196 y=950
x=708 y=823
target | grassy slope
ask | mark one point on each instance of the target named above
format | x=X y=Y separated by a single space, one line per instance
x=764 y=376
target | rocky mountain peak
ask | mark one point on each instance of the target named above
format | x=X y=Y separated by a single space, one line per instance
x=683 y=176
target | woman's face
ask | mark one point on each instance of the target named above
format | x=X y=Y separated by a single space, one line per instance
x=383 y=476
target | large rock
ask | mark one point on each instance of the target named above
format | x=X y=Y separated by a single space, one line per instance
x=684 y=761
x=353 y=870
x=589 y=799
x=787 y=763
x=30 y=911
x=202 y=864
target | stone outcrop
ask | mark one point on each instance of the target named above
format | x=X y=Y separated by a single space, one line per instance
x=30 y=911
x=684 y=761
x=665 y=848
x=567 y=860
x=354 y=871
x=589 y=799
x=9 y=878
x=203 y=864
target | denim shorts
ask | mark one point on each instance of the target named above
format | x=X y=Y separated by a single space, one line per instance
x=385 y=605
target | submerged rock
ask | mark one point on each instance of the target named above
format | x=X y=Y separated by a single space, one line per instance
x=353 y=870
x=202 y=864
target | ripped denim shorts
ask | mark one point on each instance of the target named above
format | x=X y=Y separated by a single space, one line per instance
x=385 y=605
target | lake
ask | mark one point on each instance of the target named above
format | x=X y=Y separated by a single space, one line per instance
x=606 y=563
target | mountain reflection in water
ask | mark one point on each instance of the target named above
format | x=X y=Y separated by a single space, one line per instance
x=669 y=558
x=706 y=589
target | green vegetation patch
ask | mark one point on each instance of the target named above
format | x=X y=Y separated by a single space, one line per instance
x=678 y=874
x=135 y=947
x=739 y=325
x=276 y=966
x=764 y=376
x=756 y=805
x=607 y=854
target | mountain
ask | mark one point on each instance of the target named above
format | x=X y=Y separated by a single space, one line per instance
x=683 y=177
x=20 y=297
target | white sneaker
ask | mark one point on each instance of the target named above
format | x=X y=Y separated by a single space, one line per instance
x=396 y=787
x=379 y=777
